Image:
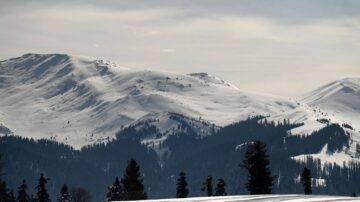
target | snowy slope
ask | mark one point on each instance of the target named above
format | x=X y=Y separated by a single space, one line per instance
x=262 y=198
x=339 y=101
x=80 y=100
x=336 y=102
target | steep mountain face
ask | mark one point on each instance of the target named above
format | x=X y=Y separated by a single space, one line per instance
x=80 y=101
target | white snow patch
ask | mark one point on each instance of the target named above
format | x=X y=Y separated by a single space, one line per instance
x=339 y=157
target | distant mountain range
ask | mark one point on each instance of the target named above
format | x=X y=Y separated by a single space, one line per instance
x=90 y=114
x=80 y=100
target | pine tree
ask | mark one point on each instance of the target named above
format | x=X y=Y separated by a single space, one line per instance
x=256 y=162
x=133 y=182
x=207 y=186
x=33 y=199
x=306 y=181
x=115 y=191
x=42 y=195
x=1 y=167
x=181 y=189
x=22 y=193
x=79 y=194
x=64 y=194
x=4 y=196
x=3 y=188
x=220 y=188
x=11 y=197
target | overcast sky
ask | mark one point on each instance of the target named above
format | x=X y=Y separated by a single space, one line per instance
x=270 y=46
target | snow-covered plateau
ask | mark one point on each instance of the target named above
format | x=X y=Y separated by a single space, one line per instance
x=81 y=100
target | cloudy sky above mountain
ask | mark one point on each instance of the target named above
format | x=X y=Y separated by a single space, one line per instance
x=271 y=46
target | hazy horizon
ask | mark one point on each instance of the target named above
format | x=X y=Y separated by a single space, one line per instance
x=274 y=47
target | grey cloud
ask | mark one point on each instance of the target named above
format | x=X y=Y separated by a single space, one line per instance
x=289 y=11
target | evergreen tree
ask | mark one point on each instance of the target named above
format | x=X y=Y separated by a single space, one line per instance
x=22 y=193
x=3 y=188
x=42 y=195
x=4 y=196
x=33 y=199
x=79 y=194
x=220 y=188
x=132 y=182
x=11 y=197
x=115 y=191
x=64 y=194
x=181 y=189
x=256 y=162
x=1 y=166
x=306 y=180
x=207 y=186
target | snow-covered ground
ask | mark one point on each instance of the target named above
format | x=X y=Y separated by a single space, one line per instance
x=82 y=100
x=263 y=198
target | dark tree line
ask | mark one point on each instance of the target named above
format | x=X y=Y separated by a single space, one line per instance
x=77 y=194
x=96 y=161
x=130 y=187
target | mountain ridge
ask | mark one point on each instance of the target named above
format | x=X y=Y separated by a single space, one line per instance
x=56 y=87
x=92 y=115
x=84 y=100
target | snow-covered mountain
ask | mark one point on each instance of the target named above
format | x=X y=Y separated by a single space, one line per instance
x=82 y=100
x=168 y=122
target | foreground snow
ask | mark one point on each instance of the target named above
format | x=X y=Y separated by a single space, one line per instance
x=263 y=198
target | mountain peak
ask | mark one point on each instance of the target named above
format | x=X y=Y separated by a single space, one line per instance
x=334 y=90
x=340 y=99
x=211 y=79
x=350 y=82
